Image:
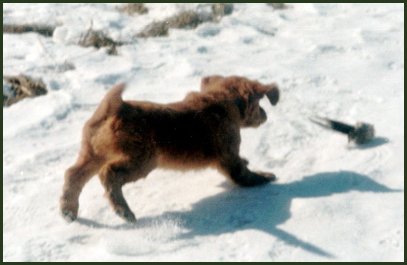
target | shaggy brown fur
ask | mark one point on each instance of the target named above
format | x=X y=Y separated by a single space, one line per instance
x=125 y=140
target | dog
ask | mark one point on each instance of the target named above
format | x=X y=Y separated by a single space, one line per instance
x=124 y=141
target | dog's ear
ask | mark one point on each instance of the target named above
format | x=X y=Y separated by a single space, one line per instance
x=271 y=91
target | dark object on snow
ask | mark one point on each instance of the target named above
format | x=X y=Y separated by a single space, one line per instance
x=220 y=10
x=360 y=133
x=40 y=29
x=21 y=87
x=188 y=19
x=155 y=29
x=184 y=20
x=277 y=5
x=133 y=8
x=98 y=39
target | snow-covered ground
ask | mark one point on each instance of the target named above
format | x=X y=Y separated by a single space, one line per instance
x=333 y=201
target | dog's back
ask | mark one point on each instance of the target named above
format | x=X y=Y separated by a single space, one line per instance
x=180 y=135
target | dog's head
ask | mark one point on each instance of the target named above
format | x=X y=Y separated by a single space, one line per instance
x=246 y=94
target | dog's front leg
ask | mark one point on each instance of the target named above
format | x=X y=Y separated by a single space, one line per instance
x=236 y=169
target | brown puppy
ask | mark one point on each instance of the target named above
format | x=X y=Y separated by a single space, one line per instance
x=125 y=140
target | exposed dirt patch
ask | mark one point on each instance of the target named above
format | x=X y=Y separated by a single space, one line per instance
x=220 y=10
x=154 y=29
x=133 y=8
x=185 y=19
x=20 y=87
x=98 y=39
x=44 y=30
x=188 y=19
x=278 y=5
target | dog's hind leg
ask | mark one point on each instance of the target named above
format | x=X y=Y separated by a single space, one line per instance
x=75 y=178
x=113 y=177
x=235 y=168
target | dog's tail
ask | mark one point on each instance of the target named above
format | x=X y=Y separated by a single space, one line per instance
x=110 y=104
x=113 y=99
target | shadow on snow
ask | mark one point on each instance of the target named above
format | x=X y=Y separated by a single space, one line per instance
x=262 y=208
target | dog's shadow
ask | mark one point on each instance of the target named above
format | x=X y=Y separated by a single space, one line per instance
x=262 y=208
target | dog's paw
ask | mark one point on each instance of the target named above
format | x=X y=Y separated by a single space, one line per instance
x=255 y=179
x=261 y=178
x=69 y=209
x=68 y=215
x=267 y=175
x=245 y=161
x=127 y=215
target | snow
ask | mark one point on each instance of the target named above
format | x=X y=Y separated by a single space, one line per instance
x=333 y=201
